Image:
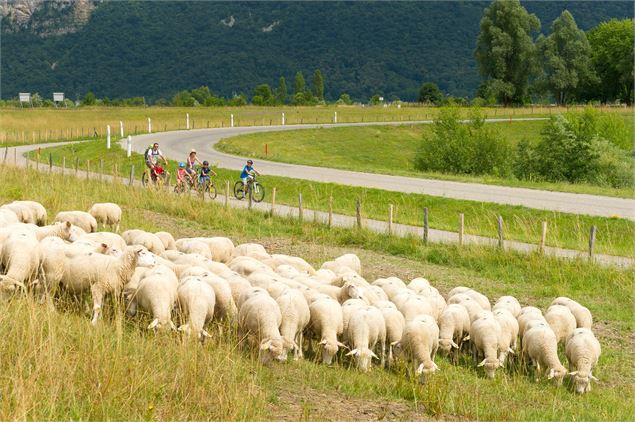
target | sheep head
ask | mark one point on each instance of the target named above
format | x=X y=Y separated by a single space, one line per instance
x=490 y=365
x=271 y=349
x=582 y=380
x=364 y=357
x=329 y=349
x=557 y=374
x=446 y=345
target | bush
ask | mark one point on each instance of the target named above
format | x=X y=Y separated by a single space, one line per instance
x=463 y=148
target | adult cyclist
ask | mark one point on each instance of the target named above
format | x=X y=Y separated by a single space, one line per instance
x=190 y=161
x=152 y=156
x=246 y=174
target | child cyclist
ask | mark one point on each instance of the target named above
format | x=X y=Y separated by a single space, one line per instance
x=205 y=173
x=181 y=174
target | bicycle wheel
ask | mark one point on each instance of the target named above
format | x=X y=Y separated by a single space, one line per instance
x=145 y=177
x=239 y=193
x=179 y=188
x=257 y=192
x=211 y=190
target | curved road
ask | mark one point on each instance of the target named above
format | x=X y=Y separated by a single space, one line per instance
x=176 y=145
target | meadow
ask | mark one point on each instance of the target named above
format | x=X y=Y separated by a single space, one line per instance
x=615 y=235
x=391 y=150
x=62 y=368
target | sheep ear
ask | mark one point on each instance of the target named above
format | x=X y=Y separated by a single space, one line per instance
x=352 y=352
x=551 y=374
x=172 y=326
x=265 y=345
x=593 y=378
x=436 y=367
x=456 y=346
x=68 y=224
x=420 y=369
x=466 y=338
x=372 y=354
x=153 y=324
x=206 y=334
x=323 y=342
x=510 y=350
x=104 y=245
x=482 y=363
x=573 y=373
x=394 y=343
x=340 y=344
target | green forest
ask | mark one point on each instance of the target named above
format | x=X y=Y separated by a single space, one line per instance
x=156 y=49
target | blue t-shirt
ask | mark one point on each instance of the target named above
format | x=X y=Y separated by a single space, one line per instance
x=246 y=171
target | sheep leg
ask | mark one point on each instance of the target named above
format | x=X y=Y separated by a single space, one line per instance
x=383 y=354
x=98 y=300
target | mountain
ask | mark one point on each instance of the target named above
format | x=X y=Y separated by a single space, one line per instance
x=154 y=49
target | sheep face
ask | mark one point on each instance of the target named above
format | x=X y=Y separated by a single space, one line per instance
x=446 y=345
x=8 y=287
x=364 y=358
x=145 y=258
x=424 y=369
x=490 y=366
x=557 y=374
x=272 y=349
x=328 y=351
x=582 y=381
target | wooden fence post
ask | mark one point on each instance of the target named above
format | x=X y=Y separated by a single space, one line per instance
x=330 y=221
x=543 y=237
x=592 y=236
x=6 y=152
x=425 y=225
x=390 y=210
x=461 y=228
x=358 y=213
x=87 y=169
x=273 y=200
x=37 y=161
x=50 y=163
x=500 y=232
x=300 y=212
x=131 y=175
x=226 y=193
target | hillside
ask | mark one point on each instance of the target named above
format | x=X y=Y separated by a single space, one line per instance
x=153 y=49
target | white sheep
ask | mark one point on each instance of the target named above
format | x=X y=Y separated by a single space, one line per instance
x=20 y=257
x=510 y=303
x=252 y=250
x=225 y=306
x=348 y=308
x=148 y=240
x=81 y=219
x=327 y=323
x=419 y=283
x=65 y=230
x=420 y=342
x=343 y=264
x=196 y=246
x=103 y=274
x=23 y=213
x=561 y=321
x=366 y=329
x=259 y=316
x=7 y=217
x=395 y=325
x=540 y=346
x=111 y=239
x=582 y=315
x=245 y=265
x=485 y=333
x=296 y=262
x=38 y=210
x=156 y=292
x=528 y=314
x=196 y=299
x=167 y=239
x=107 y=214
x=295 y=318
x=390 y=286
x=220 y=247
x=583 y=351
x=415 y=306
x=509 y=333
x=472 y=307
x=480 y=298
x=454 y=326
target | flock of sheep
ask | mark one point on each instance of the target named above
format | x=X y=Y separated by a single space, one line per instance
x=281 y=303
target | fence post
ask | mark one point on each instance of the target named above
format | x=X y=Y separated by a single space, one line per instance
x=273 y=200
x=37 y=160
x=226 y=193
x=87 y=169
x=6 y=151
x=63 y=165
x=76 y=165
x=231 y=120
x=282 y=118
x=50 y=163
x=101 y=169
x=187 y=120
x=300 y=212
x=330 y=222
x=592 y=235
x=500 y=232
x=149 y=125
x=543 y=237
x=335 y=117
x=131 y=175
x=425 y=225
x=358 y=213
x=121 y=128
x=129 y=149
x=390 y=210
x=108 y=136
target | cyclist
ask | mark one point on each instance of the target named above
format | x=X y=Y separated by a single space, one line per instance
x=190 y=161
x=181 y=174
x=152 y=160
x=204 y=176
x=245 y=176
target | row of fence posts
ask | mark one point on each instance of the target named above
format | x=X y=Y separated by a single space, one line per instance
x=329 y=222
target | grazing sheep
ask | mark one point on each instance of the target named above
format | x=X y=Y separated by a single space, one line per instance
x=295 y=318
x=348 y=308
x=561 y=321
x=390 y=286
x=583 y=351
x=395 y=325
x=509 y=333
x=510 y=303
x=485 y=336
x=420 y=342
x=193 y=246
x=111 y=239
x=245 y=265
x=38 y=211
x=237 y=284
x=327 y=323
x=23 y=213
x=106 y=214
x=296 y=262
x=7 y=217
x=366 y=328
x=419 y=283
x=63 y=230
x=81 y=219
x=196 y=299
x=527 y=315
x=454 y=326
x=103 y=274
x=540 y=346
x=415 y=306
x=479 y=298
x=220 y=247
x=259 y=316
x=167 y=239
x=20 y=258
x=225 y=306
x=156 y=292
x=582 y=315
x=472 y=307
x=148 y=240
x=343 y=264
x=252 y=250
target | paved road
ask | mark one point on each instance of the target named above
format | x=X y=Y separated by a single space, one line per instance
x=177 y=144
x=14 y=155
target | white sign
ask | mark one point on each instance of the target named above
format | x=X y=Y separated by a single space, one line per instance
x=58 y=97
x=381 y=98
x=25 y=97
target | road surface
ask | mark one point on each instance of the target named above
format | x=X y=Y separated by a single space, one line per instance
x=176 y=145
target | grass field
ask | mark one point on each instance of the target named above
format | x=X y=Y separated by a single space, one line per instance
x=615 y=235
x=56 y=366
x=30 y=125
x=388 y=150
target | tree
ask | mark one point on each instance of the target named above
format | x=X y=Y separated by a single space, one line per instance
x=505 y=51
x=201 y=94
x=430 y=93
x=612 y=56
x=374 y=100
x=318 y=85
x=566 y=58
x=345 y=99
x=89 y=99
x=263 y=95
x=184 y=99
x=281 y=95
x=299 y=85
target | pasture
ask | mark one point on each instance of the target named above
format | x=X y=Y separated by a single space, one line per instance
x=62 y=367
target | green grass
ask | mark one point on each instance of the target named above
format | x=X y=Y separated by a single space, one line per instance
x=388 y=150
x=57 y=367
x=615 y=235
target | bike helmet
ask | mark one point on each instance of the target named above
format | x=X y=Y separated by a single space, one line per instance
x=205 y=163
x=181 y=164
x=250 y=162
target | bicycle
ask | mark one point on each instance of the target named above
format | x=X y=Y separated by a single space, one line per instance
x=254 y=189
x=208 y=187
x=158 y=181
